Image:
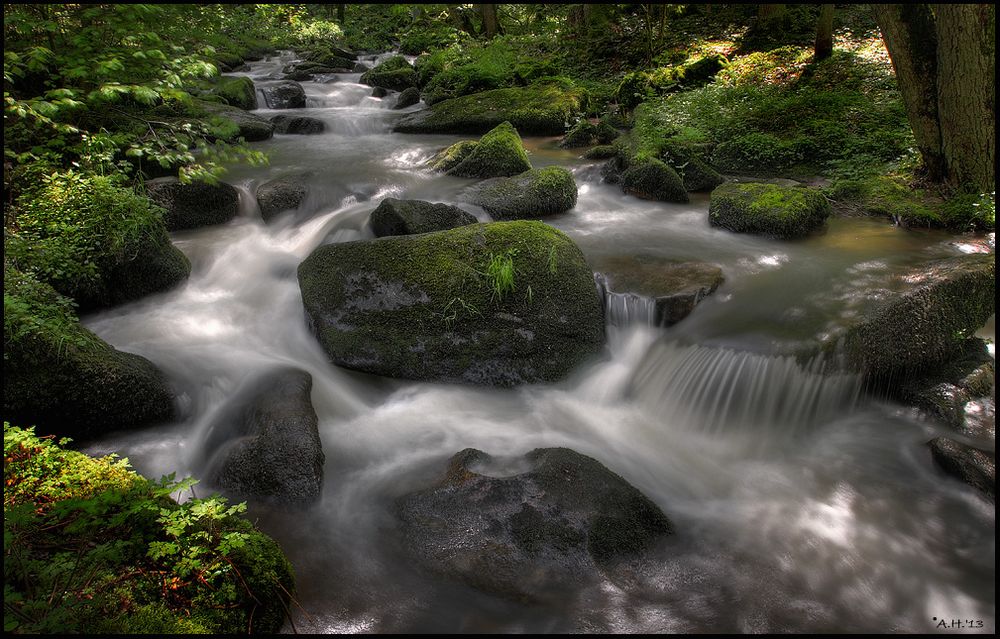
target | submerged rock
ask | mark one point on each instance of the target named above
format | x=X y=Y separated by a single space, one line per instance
x=542 y=108
x=409 y=217
x=395 y=74
x=532 y=194
x=495 y=304
x=407 y=98
x=673 y=288
x=286 y=94
x=193 y=205
x=768 y=209
x=651 y=179
x=281 y=194
x=975 y=467
x=563 y=519
x=499 y=153
x=297 y=125
x=267 y=443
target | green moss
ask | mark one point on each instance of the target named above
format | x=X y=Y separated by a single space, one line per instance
x=531 y=194
x=452 y=156
x=236 y=91
x=651 y=179
x=585 y=133
x=601 y=152
x=767 y=209
x=696 y=174
x=884 y=196
x=395 y=73
x=422 y=307
x=542 y=108
x=499 y=153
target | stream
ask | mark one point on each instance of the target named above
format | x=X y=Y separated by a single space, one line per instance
x=801 y=504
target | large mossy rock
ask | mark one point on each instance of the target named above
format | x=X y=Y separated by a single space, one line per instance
x=973 y=466
x=672 y=288
x=236 y=91
x=232 y=123
x=65 y=380
x=564 y=519
x=542 y=108
x=410 y=217
x=194 y=205
x=268 y=441
x=925 y=327
x=282 y=194
x=295 y=125
x=531 y=194
x=435 y=306
x=695 y=172
x=286 y=94
x=395 y=74
x=499 y=153
x=407 y=98
x=586 y=133
x=768 y=209
x=156 y=265
x=651 y=179
x=953 y=392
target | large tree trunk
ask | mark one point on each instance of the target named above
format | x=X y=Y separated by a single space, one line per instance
x=911 y=39
x=824 y=33
x=491 y=24
x=966 y=85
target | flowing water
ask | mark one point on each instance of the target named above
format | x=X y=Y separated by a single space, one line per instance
x=801 y=504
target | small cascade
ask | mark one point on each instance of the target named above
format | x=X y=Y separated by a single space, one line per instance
x=625 y=309
x=720 y=391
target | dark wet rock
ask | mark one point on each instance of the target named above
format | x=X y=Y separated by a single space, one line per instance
x=946 y=393
x=427 y=307
x=499 y=153
x=281 y=194
x=380 y=92
x=299 y=76
x=651 y=179
x=248 y=126
x=586 y=133
x=284 y=95
x=975 y=467
x=674 y=287
x=564 y=518
x=768 y=209
x=193 y=205
x=360 y=67
x=915 y=333
x=395 y=74
x=409 y=217
x=695 y=172
x=532 y=194
x=407 y=98
x=614 y=168
x=268 y=441
x=542 y=108
x=296 y=125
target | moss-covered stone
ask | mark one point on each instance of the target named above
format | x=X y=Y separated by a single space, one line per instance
x=601 y=152
x=395 y=73
x=563 y=520
x=586 y=133
x=696 y=174
x=297 y=125
x=194 y=205
x=947 y=391
x=499 y=153
x=282 y=194
x=434 y=306
x=407 y=98
x=231 y=123
x=925 y=327
x=452 y=156
x=63 y=378
x=531 y=194
x=409 y=217
x=236 y=91
x=542 y=108
x=975 y=467
x=651 y=179
x=768 y=209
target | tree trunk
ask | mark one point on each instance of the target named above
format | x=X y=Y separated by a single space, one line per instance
x=911 y=39
x=965 y=92
x=341 y=9
x=491 y=24
x=824 y=33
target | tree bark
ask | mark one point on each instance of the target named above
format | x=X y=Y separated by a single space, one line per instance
x=341 y=9
x=491 y=24
x=966 y=84
x=824 y=33
x=911 y=38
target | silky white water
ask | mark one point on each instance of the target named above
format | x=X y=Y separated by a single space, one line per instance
x=800 y=504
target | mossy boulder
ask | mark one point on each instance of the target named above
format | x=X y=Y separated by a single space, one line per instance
x=542 y=108
x=973 y=466
x=407 y=98
x=673 y=288
x=651 y=179
x=768 y=209
x=409 y=217
x=601 y=152
x=268 y=441
x=925 y=327
x=949 y=392
x=236 y=91
x=495 y=304
x=61 y=377
x=532 y=194
x=586 y=133
x=297 y=125
x=282 y=194
x=499 y=153
x=564 y=519
x=395 y=74
x=285 y=94
x=695 y=172
x=231 y=123
x=449 y=158
x=189 y=206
